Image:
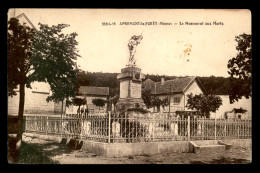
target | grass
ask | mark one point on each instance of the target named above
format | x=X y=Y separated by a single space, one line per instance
x=34 y=154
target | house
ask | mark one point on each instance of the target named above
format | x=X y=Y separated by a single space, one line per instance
x=182 y=86
x=91 y=93
x=177 y=89
x=35 y=101
x=231 y=110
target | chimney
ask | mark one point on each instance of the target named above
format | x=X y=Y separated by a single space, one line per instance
x=162 y=81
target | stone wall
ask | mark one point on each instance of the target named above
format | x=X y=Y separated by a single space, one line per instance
x=141 y=148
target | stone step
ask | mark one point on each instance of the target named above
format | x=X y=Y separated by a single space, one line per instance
x=218 y=147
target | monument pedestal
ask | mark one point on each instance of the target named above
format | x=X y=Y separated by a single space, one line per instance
x=130 y=89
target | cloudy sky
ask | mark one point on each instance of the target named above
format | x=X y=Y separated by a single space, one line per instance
x=178 y=49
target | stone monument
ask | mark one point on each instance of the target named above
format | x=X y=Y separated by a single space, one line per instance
x=131 y=80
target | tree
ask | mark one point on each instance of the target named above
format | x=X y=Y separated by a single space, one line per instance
x=113 y=101
x=147 y=97
x=19 y=46
x=99 y=102
x=53 y=62
x=204 y=103
x=165 y=102
x=46 y=56
x=240 y=67
x=79 y=101
x=156 y=102
x=151 y=101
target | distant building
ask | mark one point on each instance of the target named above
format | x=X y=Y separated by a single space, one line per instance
x=183 y=86
x=90 y=93
x=177 y=89
x=230 y=111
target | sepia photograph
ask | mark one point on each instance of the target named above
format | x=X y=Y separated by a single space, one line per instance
x=129 y=86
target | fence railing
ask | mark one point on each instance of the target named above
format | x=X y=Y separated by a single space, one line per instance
x=138 y=128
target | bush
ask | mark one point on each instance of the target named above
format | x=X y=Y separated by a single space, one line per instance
x=138 y=109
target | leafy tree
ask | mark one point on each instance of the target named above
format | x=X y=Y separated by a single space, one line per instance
x=156 y=102
x=99 y=102
x=241 y=67
x=204 y=103
x=153 y=101
x=215 y=85
x=79 y=101
x=114 y=101
x=19 y=46
x=53 y=62
x=147 y=97
x=165 y=102
x=47 y=56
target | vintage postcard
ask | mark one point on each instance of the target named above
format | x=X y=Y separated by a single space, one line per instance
x=129 y=86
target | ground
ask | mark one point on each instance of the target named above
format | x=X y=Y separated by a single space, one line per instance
x=40 y=151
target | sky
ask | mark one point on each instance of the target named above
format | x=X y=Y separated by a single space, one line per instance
x=177 y=49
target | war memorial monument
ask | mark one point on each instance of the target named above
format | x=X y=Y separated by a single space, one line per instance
x=131 y=80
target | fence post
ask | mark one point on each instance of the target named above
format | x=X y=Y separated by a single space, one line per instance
x=109 y=127
x=215 y=127
x=61 y=126
x=47 y=125
x=153 y=124
x=225 y=129
x=55 y=126
x=188 y=128
x=238 y=128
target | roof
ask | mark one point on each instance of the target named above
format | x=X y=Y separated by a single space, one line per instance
x=92 y=90
x=179 y=85
x=26 y=18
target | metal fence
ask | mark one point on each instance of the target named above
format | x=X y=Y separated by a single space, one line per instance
x=138 y=127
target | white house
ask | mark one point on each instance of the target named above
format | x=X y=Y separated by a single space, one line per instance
x=177 y=89
x=228 y=108
x=182 y=86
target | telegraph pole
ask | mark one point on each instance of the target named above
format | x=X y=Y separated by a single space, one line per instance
x=170 y=93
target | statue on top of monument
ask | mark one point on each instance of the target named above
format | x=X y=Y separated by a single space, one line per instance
x=133 y=42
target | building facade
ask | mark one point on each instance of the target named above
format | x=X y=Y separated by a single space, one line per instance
x=181 y=87
x=229 y=111
x=176 y=89
x=90 y=93
x=35 y=101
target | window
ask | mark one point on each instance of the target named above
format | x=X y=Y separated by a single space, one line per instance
x=176 y=100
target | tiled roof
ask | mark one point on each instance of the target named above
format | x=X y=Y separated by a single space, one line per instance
x=179 y=85
x=91 y=90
